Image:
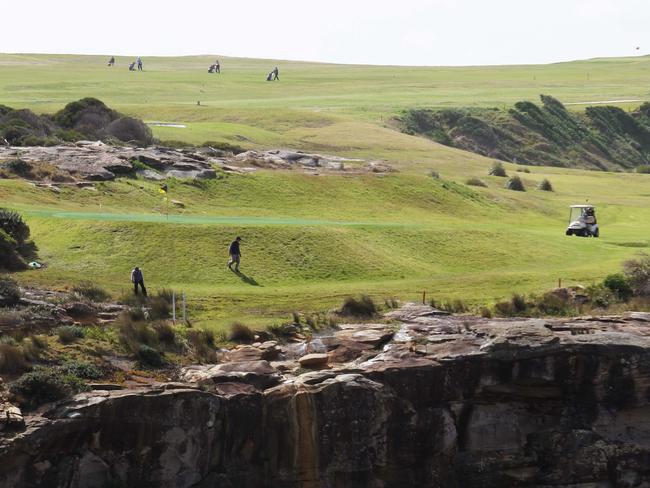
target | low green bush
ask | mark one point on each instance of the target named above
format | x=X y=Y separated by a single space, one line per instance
x=92 y=292
x=70 y=333
x=42 y=385
x=364 y=306
x=240 y=333
x=476 y=182
x=545 y=185
x=619 y=285
x=12 y=358
x=9 y=292
x=82 y=369
x=202 y=343
x=497 y=169
x=600 y=296
x=515 y=183
x=19 y=167
x=148 y=356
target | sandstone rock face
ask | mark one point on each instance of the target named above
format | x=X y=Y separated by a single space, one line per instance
x=443 y=401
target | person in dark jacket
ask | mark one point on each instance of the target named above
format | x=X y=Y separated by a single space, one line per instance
x=235 y=254
x=111 y=62
x=138 y=279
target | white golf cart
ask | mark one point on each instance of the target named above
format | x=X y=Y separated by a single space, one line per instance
x=582 y=221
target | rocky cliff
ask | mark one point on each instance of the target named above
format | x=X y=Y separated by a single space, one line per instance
x=428 y=400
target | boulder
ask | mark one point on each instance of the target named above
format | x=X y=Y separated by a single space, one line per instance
x=314 y=361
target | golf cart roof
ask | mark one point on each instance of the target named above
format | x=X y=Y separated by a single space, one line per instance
x=582 y=206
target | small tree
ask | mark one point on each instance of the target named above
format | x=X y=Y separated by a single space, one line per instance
x=545 y=185
x=497 y=169
x=515 y=184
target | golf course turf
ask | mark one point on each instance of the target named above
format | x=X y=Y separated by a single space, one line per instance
x=310 y=240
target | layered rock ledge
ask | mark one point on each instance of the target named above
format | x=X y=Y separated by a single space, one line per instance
x=426 y=400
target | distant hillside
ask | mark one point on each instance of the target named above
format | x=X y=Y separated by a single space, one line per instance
x=604 y=137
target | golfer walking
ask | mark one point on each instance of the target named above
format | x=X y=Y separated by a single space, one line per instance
x=235 y=254
x=138 y=280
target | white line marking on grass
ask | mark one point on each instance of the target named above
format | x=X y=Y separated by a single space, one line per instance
x=167 y=124
x=600 y=102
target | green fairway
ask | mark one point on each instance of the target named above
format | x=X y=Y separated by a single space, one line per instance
x=311 y=240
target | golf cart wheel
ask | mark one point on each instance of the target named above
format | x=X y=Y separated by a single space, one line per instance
x=569 y=232
x=597 y=234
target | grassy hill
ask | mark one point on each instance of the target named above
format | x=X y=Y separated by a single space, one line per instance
x=310 y=240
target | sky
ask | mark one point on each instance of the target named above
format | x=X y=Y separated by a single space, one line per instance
x=400 y=32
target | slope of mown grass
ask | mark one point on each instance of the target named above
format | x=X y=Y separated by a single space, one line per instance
x=311 y=240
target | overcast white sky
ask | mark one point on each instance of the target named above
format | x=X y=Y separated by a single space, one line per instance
x=407 y=32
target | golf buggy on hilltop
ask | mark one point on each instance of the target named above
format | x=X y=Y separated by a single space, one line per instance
x=582 y=221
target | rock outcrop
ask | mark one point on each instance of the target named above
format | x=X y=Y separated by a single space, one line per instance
x=96 y=161
x=428 y=400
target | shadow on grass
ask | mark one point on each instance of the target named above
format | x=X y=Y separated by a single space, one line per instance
x=246 y=279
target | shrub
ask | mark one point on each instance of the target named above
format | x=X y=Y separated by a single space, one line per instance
x=504 y=309
x=44 y=385
x=434 y=174
x=134 y=333
x=13 y=224
x=553 y=304
x=497 y=169
x=545 y=185
x=485 y=312
x=70 y=333
x=12 y=359
x=600 y=295
x=364 y=306
x=523 y=170
x=19 y=167
x=518 y=302
x=391 y=302
x=476 y=182
x=92 y=292
x=643 y=169
x=637 y=272
x=69 y=135
x=9 y=292
x=128 y=129
x=148 y=356
x=165 y=334
x=82 y=369
x=33 y=347
x=202 y=343
x=159 y=308
x=619 y=285
x=241 y=333
x=86 y=116
x=515 y=184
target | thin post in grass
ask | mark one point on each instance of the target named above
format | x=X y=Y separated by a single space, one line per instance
x=174 y=306
x=184 y=309
x=424 y=297
x=559 y=282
